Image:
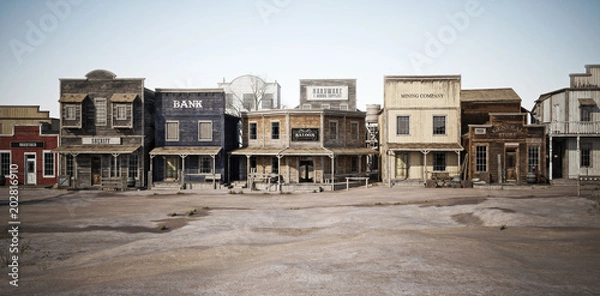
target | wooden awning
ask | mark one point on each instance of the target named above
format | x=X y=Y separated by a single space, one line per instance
x=353 y=151
x=72 y=98
x=587 y=102
x=97 y=149
x=123 y=98
x=249 y=151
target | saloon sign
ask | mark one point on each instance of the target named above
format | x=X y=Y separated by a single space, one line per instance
x=305 y=134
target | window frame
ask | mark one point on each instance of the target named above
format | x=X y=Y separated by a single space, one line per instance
x=101 y=104
x=167 y=139
x=484 y=158
x=120 y=112
x=133 y=163
x=405 y=118
x=585 y=160
x=437 y=156
x=252 y=136
x=201 y=161
x=5 y=167
x=70 y=112
x=333 y=129
x=354 y=130
x=439 y=130
x=326 y=106
x=585 y=114
x=344 y=106
x=537 y=158
x=45 y=154
x=275 y=136
x=205 y=139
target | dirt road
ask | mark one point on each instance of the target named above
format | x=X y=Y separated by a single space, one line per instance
x=376 y=241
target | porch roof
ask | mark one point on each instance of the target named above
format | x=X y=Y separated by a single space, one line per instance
x=185 y=150
x=72 y=98
x=248 y=151
x=97 y=149
x=305 y=151
x=425 y=147
x=353 y=151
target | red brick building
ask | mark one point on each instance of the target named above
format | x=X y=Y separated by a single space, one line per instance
x=30 y=148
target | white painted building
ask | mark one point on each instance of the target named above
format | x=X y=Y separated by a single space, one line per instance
x=572 y=118
x=250 y=93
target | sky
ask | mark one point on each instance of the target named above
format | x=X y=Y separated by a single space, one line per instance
x=529 y=45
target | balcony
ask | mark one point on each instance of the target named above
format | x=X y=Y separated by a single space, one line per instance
x=573 y=127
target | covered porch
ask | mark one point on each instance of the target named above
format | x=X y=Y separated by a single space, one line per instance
x=185 y=167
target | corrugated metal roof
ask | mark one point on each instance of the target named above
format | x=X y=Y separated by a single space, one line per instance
x=489 y=95
x=186 y=150
x=426 y=146
x=72 y=98
x=123 y=97
x=97 y=149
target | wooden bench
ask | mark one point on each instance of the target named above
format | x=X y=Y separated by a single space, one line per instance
x=366 y=179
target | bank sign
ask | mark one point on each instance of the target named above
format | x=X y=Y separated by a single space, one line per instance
x=324 y=93
x=305 y=134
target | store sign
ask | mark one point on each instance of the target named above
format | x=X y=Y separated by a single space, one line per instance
x=422 y=96
x=187 y=104
x=323 y=93
x=100 y=141
x=305 y=134
x=27 y=144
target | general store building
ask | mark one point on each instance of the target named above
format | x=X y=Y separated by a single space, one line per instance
x=106 y=130
x=193 y=137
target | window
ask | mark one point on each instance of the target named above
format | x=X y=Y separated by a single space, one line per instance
x=585 y=157
x=133 y=165
x=70 y=113
x=4 y=163
x=274 y=165
x=275 y=130
x=172 y=131
x=204 y=130
x=248 y=101
x=481 y=158
x=402 y=125
x=121 y=112
x=325 y=106
x=252 y=163
x=306 y=106
x=205 y=165
x=267 y=101
x=49 y=164
x=343 y=106
x=252 y=130
x=586 y=113
x=333 y=130
x=354 y=164
x=439 y=125
x=69 y=165
x=354 y=130
x=439 y=161
x=100 y=104
x=533 y=157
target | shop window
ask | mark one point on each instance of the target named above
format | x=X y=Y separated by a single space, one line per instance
x=439 y=162
x=205 y=130
x=402 y=125
x=49 y=165
x=4 y=163
x=586 y=157
x=133 y=166
x=252 y=129
x=275 y=130
x=354 y=130
x=533 y=157
x=205 y=165
x=172 y=131
x=100 y=105
x=333 y=130
x=481 y=158
x=439 y=125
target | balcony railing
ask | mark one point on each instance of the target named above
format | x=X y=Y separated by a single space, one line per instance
x=573 y=127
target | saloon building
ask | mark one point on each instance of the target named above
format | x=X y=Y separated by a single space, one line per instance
x=30 y=146
x=106 y=130
x=316 y=146
x=193 y=137
x=572 y=118
x=420 y=128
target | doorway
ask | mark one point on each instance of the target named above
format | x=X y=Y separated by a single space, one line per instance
x=171 y=168
x=30 y=172
x=306 y=171
x=511 y=168
x=96 y=165
x=402 y=165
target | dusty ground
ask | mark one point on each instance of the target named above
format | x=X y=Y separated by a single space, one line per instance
x=376 y=241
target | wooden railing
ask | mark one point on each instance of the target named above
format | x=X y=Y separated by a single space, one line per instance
x=573 y=127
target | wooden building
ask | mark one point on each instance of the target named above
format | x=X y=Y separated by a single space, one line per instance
x=572 y=118
x=24 y=115
x=106 y=130
x=336 y=94
x=316 y=147
x=505 y=149
x=29 y=147
x=420 y=128
x=477 y=104
x=193 y=137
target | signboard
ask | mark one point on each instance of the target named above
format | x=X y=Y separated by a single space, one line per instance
x=422 y=96
x=480 y=131
x=100 y=141
x=27 y=144
x=327 y=93
x=305 y=134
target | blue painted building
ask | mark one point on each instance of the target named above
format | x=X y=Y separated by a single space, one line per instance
x=193 y=136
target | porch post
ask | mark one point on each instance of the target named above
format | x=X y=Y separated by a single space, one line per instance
x=117 y=170
x=248 y=171
x=279 y=172
x=550 y=158
x=213 y=170
x=182 y=181
x=151 y=172
x=578 y=155
x=425 y=152
x=458 y=165
x=332 y=172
